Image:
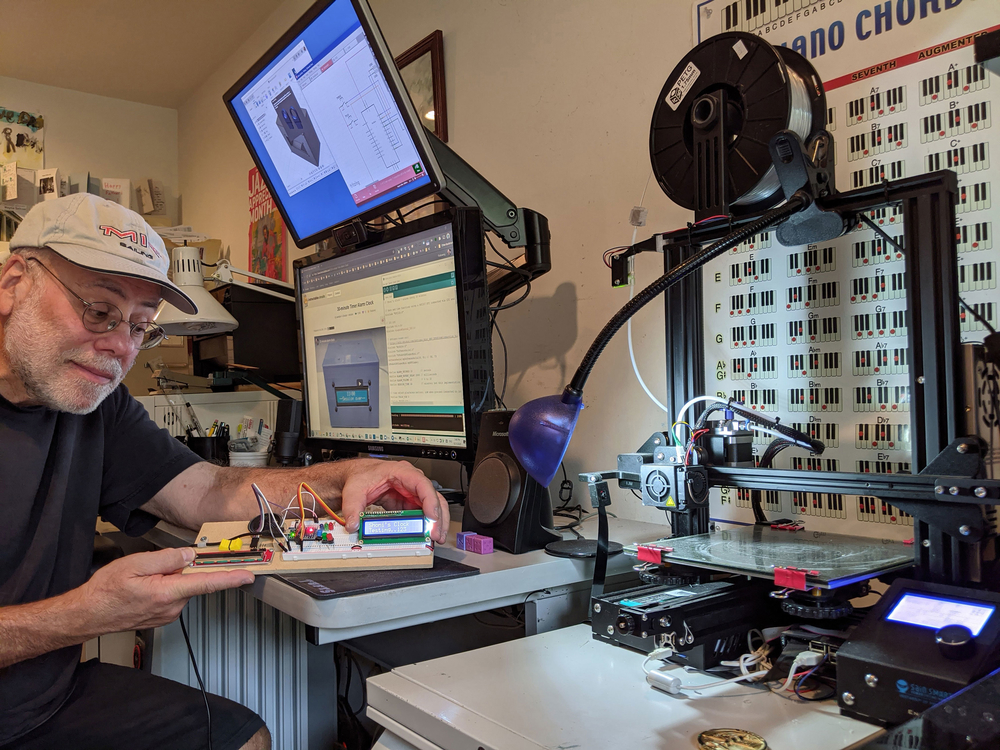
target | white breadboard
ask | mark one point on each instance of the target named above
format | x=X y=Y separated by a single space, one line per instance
x=342 y=553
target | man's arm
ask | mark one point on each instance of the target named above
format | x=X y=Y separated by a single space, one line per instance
x=205 y=492
x=132 y=593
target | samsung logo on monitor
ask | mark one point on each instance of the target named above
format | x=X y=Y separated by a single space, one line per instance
x=376 y=449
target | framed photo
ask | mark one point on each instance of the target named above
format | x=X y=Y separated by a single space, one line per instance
x=422 y=70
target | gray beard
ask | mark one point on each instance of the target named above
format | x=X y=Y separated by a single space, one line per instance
x=32 y=350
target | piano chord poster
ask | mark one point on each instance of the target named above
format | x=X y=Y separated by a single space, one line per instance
x=817 y=334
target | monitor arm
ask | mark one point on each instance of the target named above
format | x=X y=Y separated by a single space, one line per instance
x=517 y=227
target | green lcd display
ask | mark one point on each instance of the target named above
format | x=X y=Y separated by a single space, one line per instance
x=403 y=526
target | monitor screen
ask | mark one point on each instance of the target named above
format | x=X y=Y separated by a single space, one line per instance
x=329 y=124
x=936 y=612
x=395 y=340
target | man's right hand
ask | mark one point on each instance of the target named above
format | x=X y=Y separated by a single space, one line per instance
x=147 y=590
x=134 y=592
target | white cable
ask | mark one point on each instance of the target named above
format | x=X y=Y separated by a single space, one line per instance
x=756 y=657
x=695 y=400
x=631 y=293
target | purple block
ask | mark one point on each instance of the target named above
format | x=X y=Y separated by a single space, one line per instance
x=481 y=545
x=461 y=539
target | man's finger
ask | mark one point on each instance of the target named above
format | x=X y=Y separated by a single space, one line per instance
x=442 y=519
x=209 y=582
x=160 y=562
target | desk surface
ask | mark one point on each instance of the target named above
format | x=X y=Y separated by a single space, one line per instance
x=504 y=580
x=563 y=689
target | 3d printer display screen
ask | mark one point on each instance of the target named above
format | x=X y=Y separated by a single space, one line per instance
x=326 y=128
x=382 y=346
x=936 y=612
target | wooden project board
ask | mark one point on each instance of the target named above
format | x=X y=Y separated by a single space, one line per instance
x=371 y=557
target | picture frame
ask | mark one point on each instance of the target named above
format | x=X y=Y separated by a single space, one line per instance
x=422 y=70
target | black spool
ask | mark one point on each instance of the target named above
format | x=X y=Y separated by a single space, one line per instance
x=758 y=103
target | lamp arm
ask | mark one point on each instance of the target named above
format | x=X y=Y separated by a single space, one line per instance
x=794 y=204
x=224 y=273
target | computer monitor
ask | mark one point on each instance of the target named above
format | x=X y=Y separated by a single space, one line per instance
x=326 y=118
x=396 y=346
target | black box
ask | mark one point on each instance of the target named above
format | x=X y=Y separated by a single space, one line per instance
x=268 y=336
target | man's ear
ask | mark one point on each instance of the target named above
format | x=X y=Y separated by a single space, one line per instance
x=15 y=283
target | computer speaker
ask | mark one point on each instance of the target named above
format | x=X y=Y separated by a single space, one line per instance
x=288 y=426
x=503 y=501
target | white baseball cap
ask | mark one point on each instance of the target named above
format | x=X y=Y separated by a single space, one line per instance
x=101 y=236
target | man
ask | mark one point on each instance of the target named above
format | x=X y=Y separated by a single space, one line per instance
x=77 y=299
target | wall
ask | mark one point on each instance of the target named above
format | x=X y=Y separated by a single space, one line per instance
x=551 y=101
x=107 y=138
x=213 y=160
x=104 y=136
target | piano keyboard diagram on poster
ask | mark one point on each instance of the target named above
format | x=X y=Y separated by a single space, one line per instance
x=817 y=335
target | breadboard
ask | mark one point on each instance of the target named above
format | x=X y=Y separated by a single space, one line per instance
x=343 y=553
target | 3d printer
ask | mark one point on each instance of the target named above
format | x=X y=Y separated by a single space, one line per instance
x=738 y=130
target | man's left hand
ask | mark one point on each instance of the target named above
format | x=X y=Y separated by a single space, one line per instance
x=393 y=485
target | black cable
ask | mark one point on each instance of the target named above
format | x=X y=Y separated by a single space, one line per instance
x=773 y=449
x=194 y=664
x=794 y=204
x=566 y=486
x=882 y=233
x=509 y=264
x=503 y=389
x=518 y=301
x=422 y=205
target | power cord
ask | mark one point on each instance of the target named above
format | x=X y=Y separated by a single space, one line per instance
x=197 y=674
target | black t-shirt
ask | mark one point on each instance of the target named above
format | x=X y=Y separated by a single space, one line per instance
x=58 y=471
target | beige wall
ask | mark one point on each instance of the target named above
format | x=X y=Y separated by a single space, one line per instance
x=106 y=137
x=551 y=101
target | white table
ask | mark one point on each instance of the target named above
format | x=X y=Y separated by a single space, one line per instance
x=547 y=585
x=245 y=649
x=563 y=689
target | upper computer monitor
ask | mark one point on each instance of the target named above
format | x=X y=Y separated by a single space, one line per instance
x=329 y=124
x=396 y=340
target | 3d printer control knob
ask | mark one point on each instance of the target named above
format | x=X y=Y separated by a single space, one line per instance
x=625 y=624
x=955 y=642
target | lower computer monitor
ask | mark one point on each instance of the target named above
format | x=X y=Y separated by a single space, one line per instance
x=396 y=344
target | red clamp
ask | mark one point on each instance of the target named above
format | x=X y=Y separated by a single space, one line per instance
x=652 y=554
x=792 y=578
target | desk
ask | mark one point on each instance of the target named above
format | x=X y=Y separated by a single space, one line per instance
x=563 y=689
x=278 y=659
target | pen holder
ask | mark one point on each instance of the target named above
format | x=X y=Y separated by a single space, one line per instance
x=212 y=449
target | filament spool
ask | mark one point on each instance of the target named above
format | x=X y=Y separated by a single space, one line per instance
x=768 y=89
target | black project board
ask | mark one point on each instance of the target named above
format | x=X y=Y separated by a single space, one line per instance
x=817 y=334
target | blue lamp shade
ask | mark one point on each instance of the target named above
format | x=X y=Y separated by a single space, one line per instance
x=540 y=432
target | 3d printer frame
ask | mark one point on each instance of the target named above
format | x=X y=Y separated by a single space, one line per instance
x=947 y=496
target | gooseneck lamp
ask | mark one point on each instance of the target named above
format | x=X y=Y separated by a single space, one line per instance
x=540 y=430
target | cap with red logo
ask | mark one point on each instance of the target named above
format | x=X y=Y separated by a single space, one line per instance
x=101 y=236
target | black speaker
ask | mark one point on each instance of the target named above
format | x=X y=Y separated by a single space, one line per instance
x=503 y=501
x=286 y=430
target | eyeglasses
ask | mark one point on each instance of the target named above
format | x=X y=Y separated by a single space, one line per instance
x=103 y=317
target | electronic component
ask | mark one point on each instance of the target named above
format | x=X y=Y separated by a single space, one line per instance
x=919 y=644
x=394 y=526
x=317 y=545
x=705 y=623
x=237 y=558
